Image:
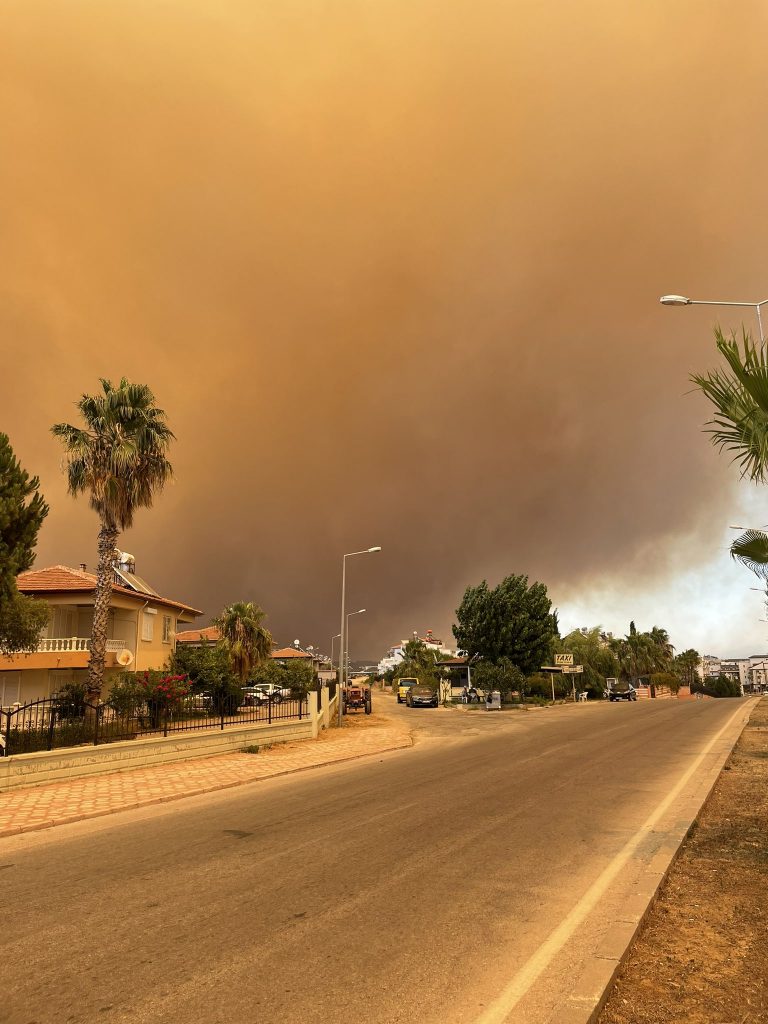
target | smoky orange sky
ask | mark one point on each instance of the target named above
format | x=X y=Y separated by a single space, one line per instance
x=392 y=268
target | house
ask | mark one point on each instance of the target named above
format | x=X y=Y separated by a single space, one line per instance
x=141 y=630
x=396 y=654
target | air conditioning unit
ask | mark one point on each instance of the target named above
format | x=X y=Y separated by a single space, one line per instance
x=125 y=657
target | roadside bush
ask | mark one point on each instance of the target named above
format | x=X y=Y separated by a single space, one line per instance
x=541 y=686
x=70 y=700
x=126 y=696
x=667 y=680
x=720 y=687
x=299 y=677
x=501 y=675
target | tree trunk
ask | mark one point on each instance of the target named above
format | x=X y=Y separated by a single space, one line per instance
x=104 y=579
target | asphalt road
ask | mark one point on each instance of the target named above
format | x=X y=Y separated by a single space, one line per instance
x=408 y=887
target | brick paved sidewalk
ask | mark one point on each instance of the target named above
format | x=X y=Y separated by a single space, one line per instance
x=59 y=803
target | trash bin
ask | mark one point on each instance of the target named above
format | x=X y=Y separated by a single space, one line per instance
x=493 y=701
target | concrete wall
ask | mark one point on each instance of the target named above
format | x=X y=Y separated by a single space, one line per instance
x=56 y=765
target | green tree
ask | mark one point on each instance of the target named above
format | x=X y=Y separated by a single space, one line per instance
x=244 y=636
x=513 y=620
x=723 y=686
x=209 y=669
x=594 y=651
x=685 y=666
x=642 y=654
x=501 y=675
x=22 y=619
x=120 y=460
x=419 y=662
x=22 y=511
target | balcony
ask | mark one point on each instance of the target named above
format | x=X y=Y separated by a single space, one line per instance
x=62 y=652
x=51 y=645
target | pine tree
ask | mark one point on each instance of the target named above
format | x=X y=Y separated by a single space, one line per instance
x=22 y=511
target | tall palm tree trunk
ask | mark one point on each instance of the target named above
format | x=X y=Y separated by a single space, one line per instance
x=104 y=578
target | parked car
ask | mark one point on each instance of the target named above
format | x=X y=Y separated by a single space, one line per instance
x=263 y=693
x=621 y=690
x=403 y=686
x=422 y=695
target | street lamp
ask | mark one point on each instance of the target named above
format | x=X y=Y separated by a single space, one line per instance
x=683 y=300
x=349 y=616
x=342 y=648
x=338 y=635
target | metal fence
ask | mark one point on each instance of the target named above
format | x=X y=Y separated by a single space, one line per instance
x=60 y=722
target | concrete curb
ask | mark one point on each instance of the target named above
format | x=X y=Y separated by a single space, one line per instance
x=595 y=982
x=70 y=819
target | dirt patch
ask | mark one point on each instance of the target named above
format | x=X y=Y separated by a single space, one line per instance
x=700 y=958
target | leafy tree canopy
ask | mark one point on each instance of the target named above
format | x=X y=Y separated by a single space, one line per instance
x=296 y=675
x=22 y=511
x=22 y=619
x=592 y=649
x=685 y=666
x=501 y=675
x=723 y=686
x=513 y=620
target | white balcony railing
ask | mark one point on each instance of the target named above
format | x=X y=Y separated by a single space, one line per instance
x=52 y=645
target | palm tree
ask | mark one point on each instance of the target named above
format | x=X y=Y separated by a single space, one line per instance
x=248 y=641
x=120 y=460
x=637 y=654
x=665 y=651
x=740 y=426
x=740 y=398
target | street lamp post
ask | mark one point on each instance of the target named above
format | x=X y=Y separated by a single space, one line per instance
x=683 y=300
x=342 y=647
x=349 y=616
x=337 y=637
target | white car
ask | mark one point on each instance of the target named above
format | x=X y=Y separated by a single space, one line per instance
x=264 y=693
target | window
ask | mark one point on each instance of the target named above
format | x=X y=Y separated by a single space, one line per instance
x=166 y=629
x=148 y=624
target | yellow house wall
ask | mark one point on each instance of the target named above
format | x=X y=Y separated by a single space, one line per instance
x=125 y=624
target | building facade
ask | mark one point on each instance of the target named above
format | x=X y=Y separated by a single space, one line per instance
x=141 y=630
x=396 y=654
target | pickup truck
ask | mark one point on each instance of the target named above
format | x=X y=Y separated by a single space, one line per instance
x=403 y=686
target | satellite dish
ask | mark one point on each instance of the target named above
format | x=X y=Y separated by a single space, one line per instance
x=125 y=657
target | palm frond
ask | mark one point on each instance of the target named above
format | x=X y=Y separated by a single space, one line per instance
x=121 y=456
x=740 y=398
x=751 y=549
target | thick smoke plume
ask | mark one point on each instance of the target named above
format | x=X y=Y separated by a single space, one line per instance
x=392 y=269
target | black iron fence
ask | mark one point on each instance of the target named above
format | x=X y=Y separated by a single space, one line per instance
x=55 y=722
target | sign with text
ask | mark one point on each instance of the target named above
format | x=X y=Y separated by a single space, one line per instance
x=573 y=668
x=563 y=659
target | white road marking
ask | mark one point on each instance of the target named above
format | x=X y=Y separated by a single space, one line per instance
x=511 y=995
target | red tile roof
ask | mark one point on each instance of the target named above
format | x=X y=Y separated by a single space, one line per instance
x=210 y=634
x=62 y=579
x=290 y=652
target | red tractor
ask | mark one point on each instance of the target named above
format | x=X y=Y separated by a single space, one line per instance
x=355 y=696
